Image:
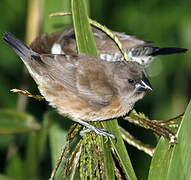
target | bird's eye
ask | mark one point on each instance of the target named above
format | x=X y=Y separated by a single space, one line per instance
x=131 y=81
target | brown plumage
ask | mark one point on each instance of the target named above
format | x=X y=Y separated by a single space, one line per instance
x=138 y=50
x=84 y=87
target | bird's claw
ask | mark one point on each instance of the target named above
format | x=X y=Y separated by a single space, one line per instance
x=102 y=132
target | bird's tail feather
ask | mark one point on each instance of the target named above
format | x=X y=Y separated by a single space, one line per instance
x=18 y=46
x=166 y=51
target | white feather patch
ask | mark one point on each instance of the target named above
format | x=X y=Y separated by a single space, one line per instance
x=57 y=49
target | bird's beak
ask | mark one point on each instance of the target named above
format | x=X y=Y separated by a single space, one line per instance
x=144 y=85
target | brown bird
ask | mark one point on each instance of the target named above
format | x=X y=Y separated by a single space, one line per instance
x=84 y=87
x=137 y=50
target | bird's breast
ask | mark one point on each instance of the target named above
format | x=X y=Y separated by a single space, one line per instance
x=70 y=104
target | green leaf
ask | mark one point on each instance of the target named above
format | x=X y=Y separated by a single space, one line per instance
x=120 y=149
x=12 y=121
x=109 y=163
x=174 y=163
x=84 y=37
x=160 y=161
x=180 y=167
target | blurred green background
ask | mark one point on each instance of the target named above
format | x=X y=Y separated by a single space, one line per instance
x=166 y=23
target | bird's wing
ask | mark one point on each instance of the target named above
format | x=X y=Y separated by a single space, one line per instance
x=66 y=40
x=62 y=42
x=43 y=43
x=58 y=68
x=92 y=82
x=82 y=75
x=107 y=45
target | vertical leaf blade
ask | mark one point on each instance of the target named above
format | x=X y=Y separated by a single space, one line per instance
x=120 y=149
x=174 y=163
x=108 y=161
x=160 y=161
x=86 y=44
x=84 y=36
x=180 y=167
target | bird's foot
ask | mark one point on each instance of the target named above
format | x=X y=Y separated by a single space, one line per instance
x=99 y=131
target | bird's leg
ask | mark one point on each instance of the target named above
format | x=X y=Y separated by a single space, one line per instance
x=90 y=127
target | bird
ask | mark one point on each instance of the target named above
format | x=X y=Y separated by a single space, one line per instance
x=84 y=87
x=64 y=42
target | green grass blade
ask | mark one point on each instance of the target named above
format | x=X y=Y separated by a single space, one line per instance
x=160 y=161
x=180 y=167
x=86 y=44
x=174 y=163
x=109 y=163
x=84 y=36
x=120 y=149
x=12 y=121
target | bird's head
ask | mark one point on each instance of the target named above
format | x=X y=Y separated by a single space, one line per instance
x=130 y=80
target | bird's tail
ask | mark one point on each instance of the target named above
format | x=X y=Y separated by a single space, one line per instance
x=18 y=46
x=166 y=51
